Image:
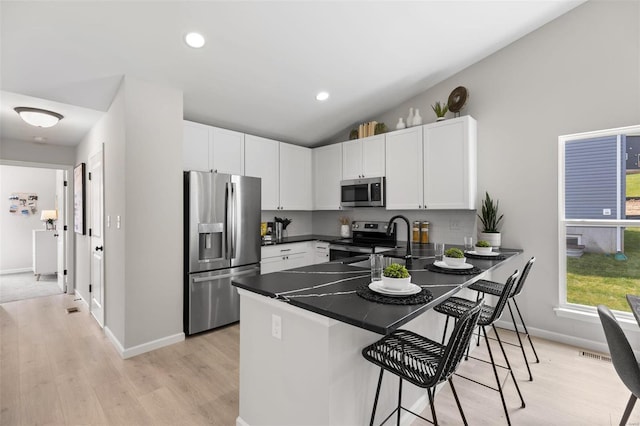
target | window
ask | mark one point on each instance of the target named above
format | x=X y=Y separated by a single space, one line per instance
x=599 y=191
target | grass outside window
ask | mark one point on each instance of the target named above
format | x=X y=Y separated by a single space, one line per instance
x=597 y=278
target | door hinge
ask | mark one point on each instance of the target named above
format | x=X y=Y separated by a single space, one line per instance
x=65 y=228
x=89 y=231
x=65 y=183
x=65 y=272
x=89 y=175
x=89 y=288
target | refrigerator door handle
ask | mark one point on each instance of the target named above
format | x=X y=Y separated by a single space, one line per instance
x=234 y=224
x=219 y=277
x=227 y=227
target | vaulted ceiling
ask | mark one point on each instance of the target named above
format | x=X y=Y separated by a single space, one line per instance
x=262 y=64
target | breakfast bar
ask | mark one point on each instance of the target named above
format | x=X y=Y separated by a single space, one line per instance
x=302 y=332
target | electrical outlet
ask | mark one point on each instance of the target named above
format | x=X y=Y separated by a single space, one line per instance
x=276 y=326
x=606 y=212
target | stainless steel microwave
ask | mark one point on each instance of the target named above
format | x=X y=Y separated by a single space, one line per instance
x=367 y=192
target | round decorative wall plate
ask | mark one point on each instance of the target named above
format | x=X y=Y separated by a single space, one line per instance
x=457 y=99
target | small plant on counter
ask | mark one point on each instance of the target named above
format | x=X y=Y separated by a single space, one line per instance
x=395 y=270
x=456 y=253
x=344 y=220
x=483 y=243
x=440 y=109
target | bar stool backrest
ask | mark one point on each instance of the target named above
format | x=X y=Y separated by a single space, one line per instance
x=622 y=355
x=518 y=288
x=502 y=301
x=458 y=343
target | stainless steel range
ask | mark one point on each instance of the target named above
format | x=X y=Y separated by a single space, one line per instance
x=367 y=238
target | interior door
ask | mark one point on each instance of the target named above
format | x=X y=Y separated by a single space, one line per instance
x=95 y=187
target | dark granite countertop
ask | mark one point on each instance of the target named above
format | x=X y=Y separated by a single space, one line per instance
x=329 y=289
x=302 y=239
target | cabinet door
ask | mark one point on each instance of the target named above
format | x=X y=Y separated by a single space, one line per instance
x=295 y=177
x=272 y=264
x=373 y=153
x=227 y=151
x=404 y=169
x=327 y=174
x=262 y=160
x=352 y=159
x=450 y=164
x=195 y=147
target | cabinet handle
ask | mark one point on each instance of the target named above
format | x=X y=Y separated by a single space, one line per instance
x=100 y=248
x=283 y=250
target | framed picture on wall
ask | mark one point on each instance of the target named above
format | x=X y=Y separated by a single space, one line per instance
x=79 y=199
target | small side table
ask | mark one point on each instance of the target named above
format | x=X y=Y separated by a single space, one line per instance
x=45 y=250
x=634 y=302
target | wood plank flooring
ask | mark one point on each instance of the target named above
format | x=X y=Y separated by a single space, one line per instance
x=59 y=368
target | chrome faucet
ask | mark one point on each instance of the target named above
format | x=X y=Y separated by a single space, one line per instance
x=407 y=257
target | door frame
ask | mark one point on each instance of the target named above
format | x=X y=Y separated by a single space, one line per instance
x=68 y=242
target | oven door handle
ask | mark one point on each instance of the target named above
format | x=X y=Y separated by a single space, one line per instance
x=367 y=250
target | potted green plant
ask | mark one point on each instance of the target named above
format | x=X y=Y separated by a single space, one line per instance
x=483 y=247
x=490 y=219
x=440 y=109
x=454 y=257
x=396 y=277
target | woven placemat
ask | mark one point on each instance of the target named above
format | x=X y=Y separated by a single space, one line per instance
x=471 y=271
x=415 y=299
x=484 y=257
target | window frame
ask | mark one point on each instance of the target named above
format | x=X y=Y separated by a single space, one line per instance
x=573 y=310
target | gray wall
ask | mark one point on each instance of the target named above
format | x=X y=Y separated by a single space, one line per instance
x=36 y=152
x=576 y=74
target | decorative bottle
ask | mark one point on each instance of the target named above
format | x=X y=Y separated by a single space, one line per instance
x=400 y=124
x=410 y=118
x=417 y=119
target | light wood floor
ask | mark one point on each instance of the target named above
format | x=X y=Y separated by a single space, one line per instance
x=59 y=368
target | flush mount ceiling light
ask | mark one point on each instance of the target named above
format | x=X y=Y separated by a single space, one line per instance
x=322 y=96
x=194 y=40
x=38 y=117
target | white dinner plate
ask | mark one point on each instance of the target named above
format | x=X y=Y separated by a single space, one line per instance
x=379 y=288
x=493 y=253
x=441 y=264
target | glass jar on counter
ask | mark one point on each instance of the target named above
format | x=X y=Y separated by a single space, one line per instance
x=416 y=232
x=424 y=232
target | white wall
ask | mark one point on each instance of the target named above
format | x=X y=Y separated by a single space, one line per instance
x=16 y=240
x=576 y=74
x=36 y=152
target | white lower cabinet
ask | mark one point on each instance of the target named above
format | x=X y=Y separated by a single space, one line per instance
x=280 y=257
x=321 y=252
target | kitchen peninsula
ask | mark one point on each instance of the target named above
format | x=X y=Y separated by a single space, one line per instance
x=302 y=331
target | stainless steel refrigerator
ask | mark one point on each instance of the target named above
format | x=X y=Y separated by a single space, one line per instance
x=221 y=242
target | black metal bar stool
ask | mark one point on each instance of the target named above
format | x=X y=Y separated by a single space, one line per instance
x=422 y=361
x=495 y=289
x=457 y=307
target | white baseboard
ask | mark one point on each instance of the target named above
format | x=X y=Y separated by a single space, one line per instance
x=145 y=347
x=240 y=422
x=82 y=299
x=15 y=271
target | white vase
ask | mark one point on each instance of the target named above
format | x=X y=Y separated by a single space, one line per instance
x=344 y=231
x=417 y=119
x=493 y=238
x=400 y=124
x=410 y=118
x=440 y=118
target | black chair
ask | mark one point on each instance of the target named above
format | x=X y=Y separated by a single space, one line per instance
x=623 y=358
x=495 y=289
x=457 y=307
x=422 y=361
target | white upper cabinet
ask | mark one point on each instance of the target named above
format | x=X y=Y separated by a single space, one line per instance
x=227 y=155
x=450 y=164
x=327 y=174
x=195 y=147
x=285 y=170
x=262 y=159
x=432 y=166
x=207 y=148
x=363 y=158
x=295 y=177
x=404 y=169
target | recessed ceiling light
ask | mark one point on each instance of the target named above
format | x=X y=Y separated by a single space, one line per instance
x=38 y=117
x=322 y=96
x=194 y=40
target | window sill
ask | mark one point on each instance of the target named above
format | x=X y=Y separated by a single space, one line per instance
x=590 y=314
